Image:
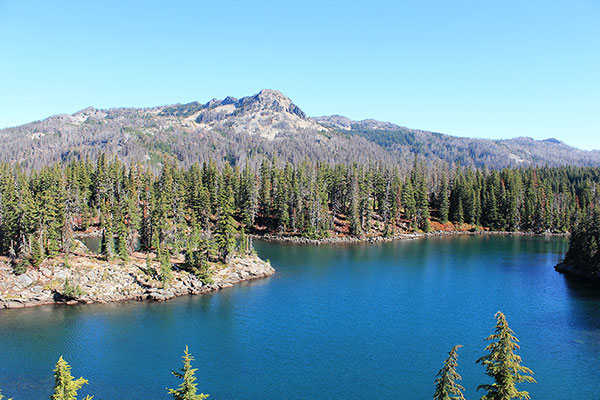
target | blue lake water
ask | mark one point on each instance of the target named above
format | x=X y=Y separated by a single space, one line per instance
x=335 y=322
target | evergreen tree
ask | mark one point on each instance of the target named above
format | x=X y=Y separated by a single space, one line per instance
x=225 y=234
x=444 y=201
x=188 y=388
x=65 y=386
x=353 y=209
x=36 y=254
x=122 y=250
x=244 y=246
x=503 y=365
x=446 y=387
x=164 y=258
x=408 y=200
x=106 y=242
x=460 y=213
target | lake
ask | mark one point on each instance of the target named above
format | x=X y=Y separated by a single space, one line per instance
x=336 y=322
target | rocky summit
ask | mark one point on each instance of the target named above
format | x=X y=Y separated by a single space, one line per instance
x=266 y=114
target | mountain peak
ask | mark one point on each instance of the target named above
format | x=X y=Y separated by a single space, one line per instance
x=267 y=113
x=269 y=100
x=271 y=93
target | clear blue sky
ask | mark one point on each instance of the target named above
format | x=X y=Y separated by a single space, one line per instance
x=493 y=69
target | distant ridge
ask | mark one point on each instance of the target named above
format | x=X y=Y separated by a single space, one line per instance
x=267 y=124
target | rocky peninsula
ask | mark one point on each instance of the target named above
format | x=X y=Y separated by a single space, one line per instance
x=88 y=278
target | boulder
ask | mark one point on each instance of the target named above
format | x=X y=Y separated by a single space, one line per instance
x=24 y=280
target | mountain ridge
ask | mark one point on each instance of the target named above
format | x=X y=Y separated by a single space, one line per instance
x=266 y=124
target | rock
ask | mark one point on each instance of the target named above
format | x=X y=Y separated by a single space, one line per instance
x=60 y=274
x=78 y=247
x=24 y=280
x=45 y=272
x=13 y=304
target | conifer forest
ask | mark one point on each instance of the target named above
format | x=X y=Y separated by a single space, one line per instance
x=207 y=206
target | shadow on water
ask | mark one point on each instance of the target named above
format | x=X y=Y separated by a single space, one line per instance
x=582 y=289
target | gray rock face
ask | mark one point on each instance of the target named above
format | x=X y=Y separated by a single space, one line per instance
x=24 y=280
x=267 y=114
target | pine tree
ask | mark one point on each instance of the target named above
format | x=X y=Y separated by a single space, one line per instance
x=106 y=243
x=188 y=388
x=460 y=213
x=244 y=246
x=408 y=200
x=444 y=202
x=2 y=396
x=446 y=387
x=503 y=365
x=37 y=255
x=65 y=387
x=225 y=234
x=122 y=250
x=164 y=257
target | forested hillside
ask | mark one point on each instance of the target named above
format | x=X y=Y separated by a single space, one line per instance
x=257 y=128
x=200 y=209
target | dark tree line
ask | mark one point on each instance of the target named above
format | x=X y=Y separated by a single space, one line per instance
x=199 y=210
x=584 y=245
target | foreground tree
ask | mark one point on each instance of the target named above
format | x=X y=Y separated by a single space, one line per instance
x=65 y=386
x=2 y=396
x=446 y=387
x=188 y=388
x=503 y=365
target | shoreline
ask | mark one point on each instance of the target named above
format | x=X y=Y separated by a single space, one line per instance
x=572 y=271
x=107 y=282
x=116 y=281
x=402 y=236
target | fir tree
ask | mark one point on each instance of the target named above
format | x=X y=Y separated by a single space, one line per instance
x=65 y=386
x=37 y=255
x=122 y=250
x=244 y=246
x=164 y=257
x=225 y=234
x=188 y=388
x=444 y=202
x=106 y=243
x=408 y=200
x=446 y=387
x=503 y=365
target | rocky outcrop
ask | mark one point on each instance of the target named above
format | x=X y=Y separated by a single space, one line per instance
x=89 y=279
x=267 y=114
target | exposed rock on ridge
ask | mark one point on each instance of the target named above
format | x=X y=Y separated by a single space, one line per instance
x=267 y=114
